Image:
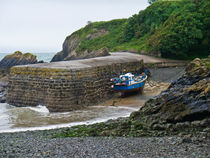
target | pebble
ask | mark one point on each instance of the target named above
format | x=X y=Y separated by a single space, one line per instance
x=41 y=144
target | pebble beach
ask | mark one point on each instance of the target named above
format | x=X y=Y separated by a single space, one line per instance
x=42 y=144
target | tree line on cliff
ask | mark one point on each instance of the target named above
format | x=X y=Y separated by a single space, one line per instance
x=174 y=29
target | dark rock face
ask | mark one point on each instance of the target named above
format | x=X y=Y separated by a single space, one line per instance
x=17 y=59
x=72 y=43
x=3 y=92
x=186 y=100
x=4 y=75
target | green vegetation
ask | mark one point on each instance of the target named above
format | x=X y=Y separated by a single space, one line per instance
x=29 y=55
x=109 y=40
x=152 y=1
x=126 y=128
x=19 y=54
x=177 y=29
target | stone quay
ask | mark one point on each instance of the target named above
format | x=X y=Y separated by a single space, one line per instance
x=69 y=85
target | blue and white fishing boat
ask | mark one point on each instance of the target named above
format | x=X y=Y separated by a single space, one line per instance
x=129 y=82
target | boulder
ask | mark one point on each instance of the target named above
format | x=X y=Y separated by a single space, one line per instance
x=17 y=59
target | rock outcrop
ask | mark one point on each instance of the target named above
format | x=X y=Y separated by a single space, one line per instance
x=187 y=99
x=71 y=44
x=17 y=58
x=186 y=103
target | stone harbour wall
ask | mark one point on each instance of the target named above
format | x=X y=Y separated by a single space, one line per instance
x=65 y=88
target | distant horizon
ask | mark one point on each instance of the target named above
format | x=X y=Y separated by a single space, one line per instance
x=42 y=26
x=28 y=52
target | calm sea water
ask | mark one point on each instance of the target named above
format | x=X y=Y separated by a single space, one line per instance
x=46 y=57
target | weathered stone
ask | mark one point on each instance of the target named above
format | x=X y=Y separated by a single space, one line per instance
x=97 y=33
x=205 y=122
x=158 y=127
x=1 y=89
x=69 y=85
x=168 y=126
x=71 y=44
x=180 y=125
x=2 y=99
x=187 y=139
x=185 y=104
x=17 y=59
x=196 y=123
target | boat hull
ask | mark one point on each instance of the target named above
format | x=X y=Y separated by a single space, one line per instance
x=130 y=88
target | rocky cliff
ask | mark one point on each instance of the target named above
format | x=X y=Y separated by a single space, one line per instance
x=185 y=101
x=70 y=47
x=184 y=108
x=17 y=58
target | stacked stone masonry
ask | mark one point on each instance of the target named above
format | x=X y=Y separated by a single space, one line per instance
x=69 y=85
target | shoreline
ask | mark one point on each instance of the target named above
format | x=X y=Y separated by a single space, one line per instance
x=71 y=124
x=42 y=144
x=136 y=101
x=132 y=103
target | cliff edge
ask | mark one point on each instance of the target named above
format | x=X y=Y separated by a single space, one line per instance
x=70 y=47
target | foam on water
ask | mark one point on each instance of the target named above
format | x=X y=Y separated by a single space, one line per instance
x=16 y=119
x=39 y=108
x=89 y=122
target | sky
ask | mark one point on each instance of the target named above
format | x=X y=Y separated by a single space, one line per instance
x=41 y=25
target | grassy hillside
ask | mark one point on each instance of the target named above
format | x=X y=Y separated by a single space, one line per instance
x=177 y=29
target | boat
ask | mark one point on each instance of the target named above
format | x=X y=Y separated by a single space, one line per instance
x=129 y=82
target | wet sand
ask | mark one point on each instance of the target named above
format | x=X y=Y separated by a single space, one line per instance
x=159 y=81
x=137 y=99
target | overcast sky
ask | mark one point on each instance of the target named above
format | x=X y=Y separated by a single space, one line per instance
x=42 y=25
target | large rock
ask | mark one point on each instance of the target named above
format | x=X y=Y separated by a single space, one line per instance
x=187 y=99
x=71 y=44
x=17 y=59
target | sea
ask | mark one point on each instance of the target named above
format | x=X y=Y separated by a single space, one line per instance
x=17 y=119
x=46 y=57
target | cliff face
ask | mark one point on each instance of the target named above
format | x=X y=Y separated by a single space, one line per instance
x=71 y=44
x=185 y=104
x=18 y=59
